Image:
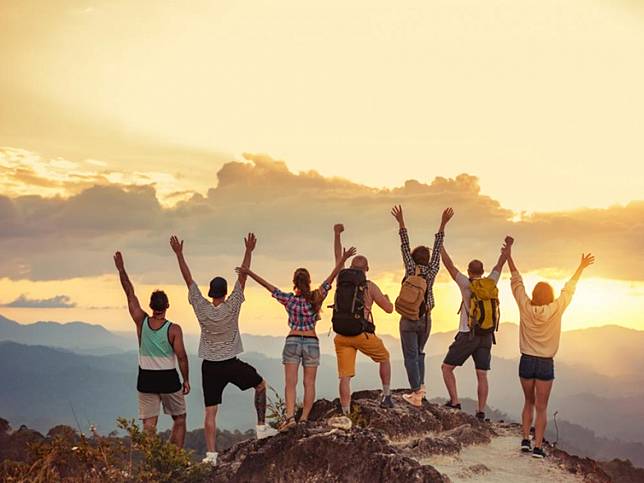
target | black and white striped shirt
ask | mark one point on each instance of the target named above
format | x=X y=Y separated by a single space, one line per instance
x=220 y=338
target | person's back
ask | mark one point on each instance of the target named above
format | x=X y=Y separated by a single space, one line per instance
x=157 y=359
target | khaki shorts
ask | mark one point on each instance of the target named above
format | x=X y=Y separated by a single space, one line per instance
x=346 y=349
x=174 y=404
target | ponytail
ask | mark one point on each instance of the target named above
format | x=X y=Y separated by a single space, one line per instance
x=302 y=283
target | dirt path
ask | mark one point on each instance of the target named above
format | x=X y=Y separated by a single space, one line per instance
x=499 y=461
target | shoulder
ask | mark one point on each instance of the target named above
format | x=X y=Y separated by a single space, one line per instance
x=373 y=287
x=494 y=275
x=462 y=280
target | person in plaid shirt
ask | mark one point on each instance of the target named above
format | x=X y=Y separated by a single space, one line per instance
x=302 y=344
x=414 y=333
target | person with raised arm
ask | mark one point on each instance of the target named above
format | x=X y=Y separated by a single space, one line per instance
x=160 y=349
x=416 y=301
x=475 y=335
x=302 y=346
x=355 y=329
x=539 y=334
x=220 y=343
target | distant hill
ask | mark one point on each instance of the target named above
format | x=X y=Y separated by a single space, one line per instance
x=43 y=387
x=76 y=336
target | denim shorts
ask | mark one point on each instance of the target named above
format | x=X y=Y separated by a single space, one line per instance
x=533 y=367
x=301 y=349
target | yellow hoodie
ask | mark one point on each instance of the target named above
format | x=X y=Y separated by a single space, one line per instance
x=540 y=326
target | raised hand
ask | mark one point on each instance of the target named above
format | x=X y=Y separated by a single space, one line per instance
x=242 y=270
x=586 y=260
x=177 y=246
x=338 y=228
x=250 y=241
x=397 y=213
x=509 y=240
x=506 y=249
x=118 y=261
x=346 y=254
x=447 y=215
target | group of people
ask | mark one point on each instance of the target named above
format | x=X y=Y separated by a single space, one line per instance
x=161 y=346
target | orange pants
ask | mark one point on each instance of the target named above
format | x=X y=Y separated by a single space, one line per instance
x=346 y=349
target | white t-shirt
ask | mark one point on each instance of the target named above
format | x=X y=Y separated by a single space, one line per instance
x=464 y=284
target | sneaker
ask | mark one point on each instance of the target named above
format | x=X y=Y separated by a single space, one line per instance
x=423 y=391
x=538 y=453
x=265 y=431
x=387 y=402
x=480 y=415
x=414 y=398
x=340 y=422
x=210 y=459
x=449 y=405
x=526 y=446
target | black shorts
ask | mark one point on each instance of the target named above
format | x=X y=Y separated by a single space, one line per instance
x=215 y=376
x=467 y=344
x=533 y=367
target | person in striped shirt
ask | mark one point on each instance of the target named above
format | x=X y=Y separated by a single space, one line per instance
x=415 y=333
x=160 y=348
x=302 y=345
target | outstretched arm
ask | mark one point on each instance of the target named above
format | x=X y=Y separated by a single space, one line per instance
x=410 y=265
x=182 y=358
x=502 y=258
x=586 y=260
x=337 y=241
x=133 y=304
x=434 y=261
x=247 y=271
x=346 y=254
x=177 y=248
x=516 y=282
x=250 y=242
x=449 y=265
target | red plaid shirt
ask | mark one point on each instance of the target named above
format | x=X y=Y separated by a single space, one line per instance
x=300 y=313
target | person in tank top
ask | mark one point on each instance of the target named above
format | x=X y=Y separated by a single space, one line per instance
x=161 y=349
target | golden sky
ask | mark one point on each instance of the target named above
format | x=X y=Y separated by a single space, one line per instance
x=539 y=102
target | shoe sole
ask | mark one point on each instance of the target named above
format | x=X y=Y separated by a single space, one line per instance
x=409 y=401
x=525 y=449
x=537 y=456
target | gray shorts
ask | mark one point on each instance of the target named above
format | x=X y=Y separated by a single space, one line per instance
x=466 y=344
x=301 y=349
x=173 y=403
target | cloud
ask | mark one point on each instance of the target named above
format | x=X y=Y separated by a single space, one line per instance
x=292 y=214
x=56 y=302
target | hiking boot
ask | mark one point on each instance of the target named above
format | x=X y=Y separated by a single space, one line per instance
x=480 y=415
x=526 y=446
x=265 y=431
x=414 y=398
x=538 y=453
x=210 y=459
x=387 y=402
x=340 y=422
x=449 y=405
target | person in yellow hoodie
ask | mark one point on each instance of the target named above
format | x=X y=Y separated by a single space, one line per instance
x=539 y=333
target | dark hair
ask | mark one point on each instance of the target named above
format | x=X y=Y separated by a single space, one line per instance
x=542 y=294
x=159 y=301
x=302 y=283
x=420 y=255
x=475 y=267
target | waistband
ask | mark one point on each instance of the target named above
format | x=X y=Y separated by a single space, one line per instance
x=302 y=337
x=538 y=357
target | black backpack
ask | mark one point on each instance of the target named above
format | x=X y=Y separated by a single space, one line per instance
x=348 y=307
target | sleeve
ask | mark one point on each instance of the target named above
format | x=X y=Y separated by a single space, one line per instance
x=281 y=297
x=194 y=295
x=566 y=294
x=236 y=298
x=435 y=260
x=410 y=266
x=518 y=290
x=378 y=297
x=494 y=275
x=461 y=280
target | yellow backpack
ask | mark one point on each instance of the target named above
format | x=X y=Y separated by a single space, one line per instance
x=412 y=296
x=483 y=312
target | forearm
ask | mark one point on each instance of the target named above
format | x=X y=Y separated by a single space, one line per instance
x=511 y=264
x=337 y=246
x=185 y=271
x=184 y=368
x=128 y=288
x=248 y=254
x=271 y=288
x=499 y=264
x=575 y=277
x=335 y=271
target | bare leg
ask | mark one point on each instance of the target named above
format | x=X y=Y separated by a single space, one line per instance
x=385 y=373
x=178 y=435
x=150 y=424
x=210 y=428
x=345 y=392
x=290 y=389
x=528 y=406
x=482 y=388
x=309 y=390
x=450 y=382
x=260 y=402
x=542 y=390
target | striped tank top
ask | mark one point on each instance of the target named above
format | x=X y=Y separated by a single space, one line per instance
x=157 y=360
